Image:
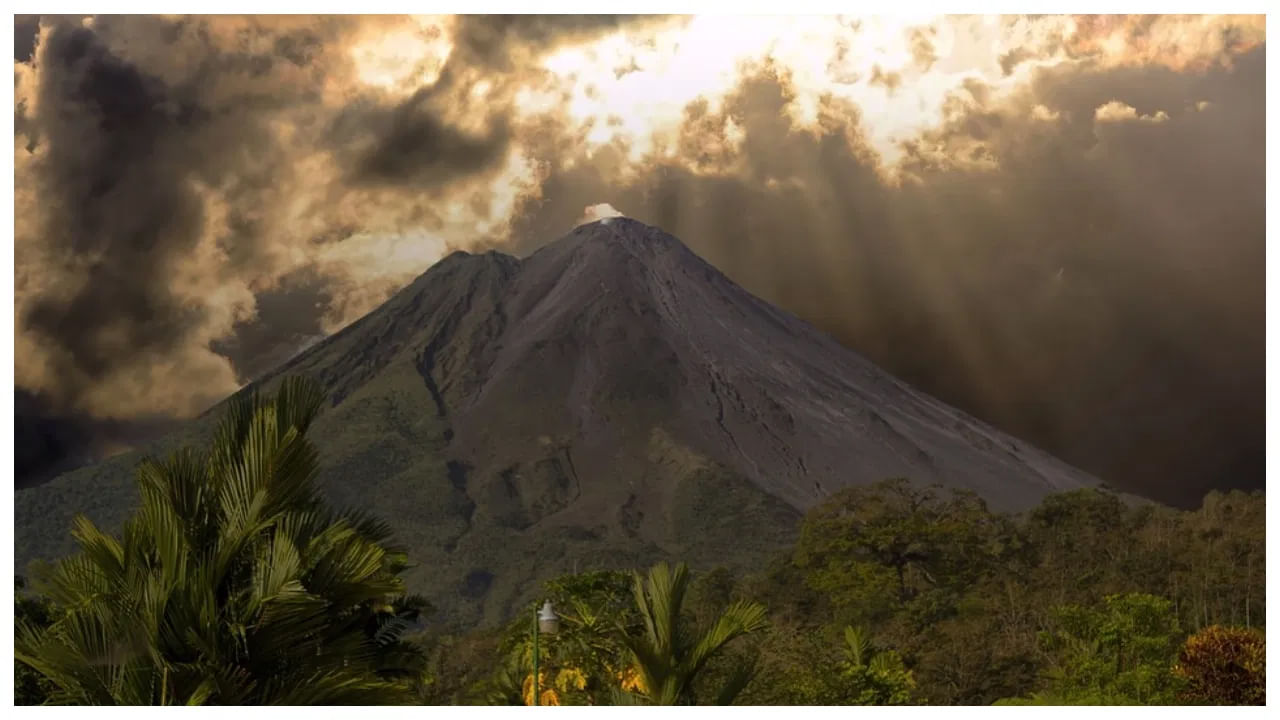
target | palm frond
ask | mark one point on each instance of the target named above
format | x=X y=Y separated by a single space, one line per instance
x=232 y=583
x=737 y=620
x=668 y=655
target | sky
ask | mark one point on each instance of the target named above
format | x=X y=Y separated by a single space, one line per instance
x=1055 y=223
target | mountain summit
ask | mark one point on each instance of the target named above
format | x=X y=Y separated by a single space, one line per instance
x=611 y=399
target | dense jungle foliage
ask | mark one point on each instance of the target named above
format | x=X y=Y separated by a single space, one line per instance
x=234 y=583
x=897 y=594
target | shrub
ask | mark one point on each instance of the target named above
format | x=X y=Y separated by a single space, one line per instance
x=1224 y=666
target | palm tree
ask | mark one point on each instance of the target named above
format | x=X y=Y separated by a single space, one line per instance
x=668 y=655
x=868 y=675
x=231 y=584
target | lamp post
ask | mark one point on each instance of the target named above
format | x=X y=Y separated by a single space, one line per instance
x=544 y=621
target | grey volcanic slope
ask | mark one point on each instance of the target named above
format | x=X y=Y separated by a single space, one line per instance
x=608 y=401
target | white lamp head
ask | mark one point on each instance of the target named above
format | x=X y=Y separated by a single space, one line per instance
x=548 y=621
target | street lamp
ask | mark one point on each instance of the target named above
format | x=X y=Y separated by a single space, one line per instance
x=544 y=621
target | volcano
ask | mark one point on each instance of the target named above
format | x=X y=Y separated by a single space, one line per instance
x=608 y=401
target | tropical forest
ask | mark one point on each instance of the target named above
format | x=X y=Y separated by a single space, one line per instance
x=234 y=582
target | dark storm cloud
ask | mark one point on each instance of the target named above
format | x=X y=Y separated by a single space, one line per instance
x=115 y=204
x=47 y=443
x=129 y=144
x=25 y=28
x=287 y=322
x=1098 y=291
x=497 y=41
x=412 y=143
x=415 y=141
x=121 y=139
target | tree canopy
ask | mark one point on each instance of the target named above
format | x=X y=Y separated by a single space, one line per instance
x=235 y=583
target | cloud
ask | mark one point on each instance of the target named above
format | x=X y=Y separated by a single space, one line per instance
x=411 y=143
x=1040 y=112
x=176 y=170
x=1179 y=42
x=1100 y=295
x=47 y=443
x=1116 y=111
x=118 y=217
x=922 y=50
x=25 y=29
x=198 y=197
x=1011 y=59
